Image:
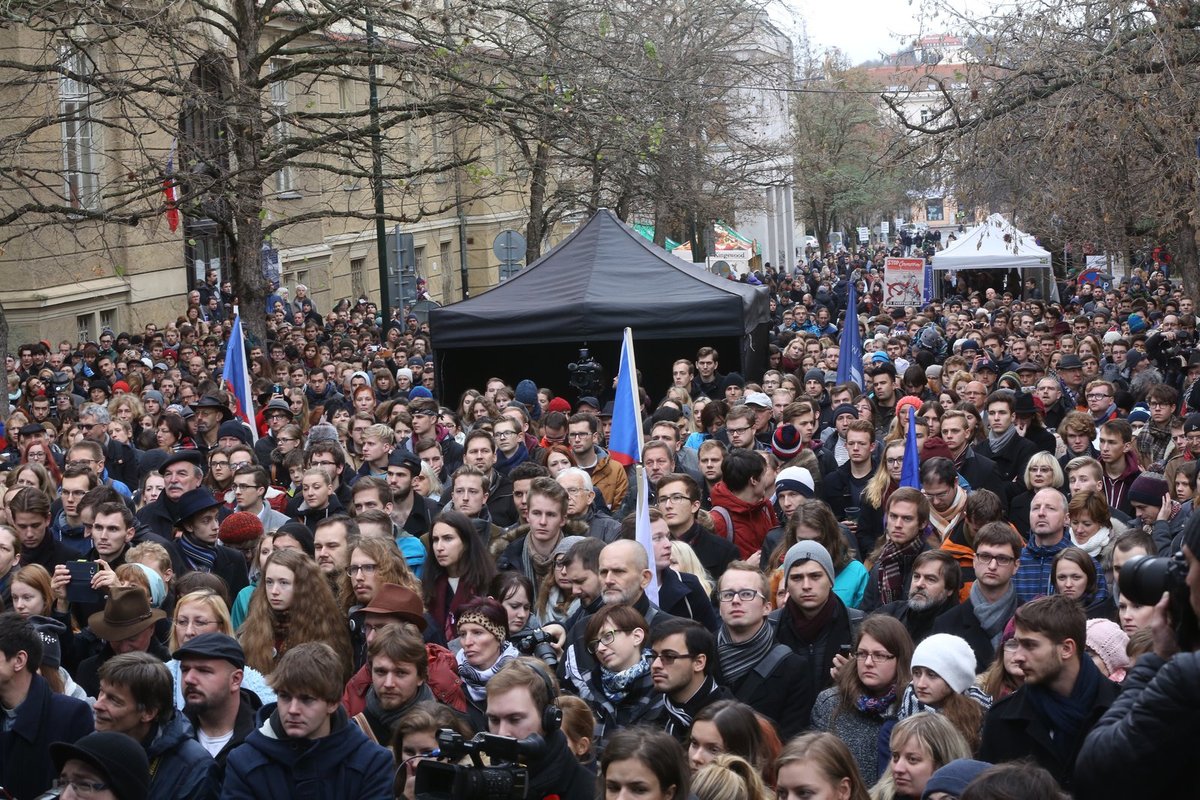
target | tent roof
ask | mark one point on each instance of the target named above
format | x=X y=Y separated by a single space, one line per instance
x=600 y=279
x=996 y=244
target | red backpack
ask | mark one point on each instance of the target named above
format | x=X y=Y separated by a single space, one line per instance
x=443 y=677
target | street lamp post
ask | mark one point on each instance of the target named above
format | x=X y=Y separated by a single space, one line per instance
x=377 y=169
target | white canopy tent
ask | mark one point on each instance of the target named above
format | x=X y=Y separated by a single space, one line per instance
x=996 y=244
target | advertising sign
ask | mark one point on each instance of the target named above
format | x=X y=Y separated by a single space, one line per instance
x=903 y=282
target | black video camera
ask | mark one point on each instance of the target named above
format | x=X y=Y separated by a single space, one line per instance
x=501 y=781
x=537 y=644
x=1144 y=579
x=587 y=375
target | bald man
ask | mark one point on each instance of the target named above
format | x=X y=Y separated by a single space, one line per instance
x=624 y=569
x=1047 y=538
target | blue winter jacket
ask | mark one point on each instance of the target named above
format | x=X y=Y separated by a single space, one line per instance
x=181 y=768
x=343 y=764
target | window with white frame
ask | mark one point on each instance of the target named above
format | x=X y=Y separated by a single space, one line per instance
x=285 y=179
x=81 y=158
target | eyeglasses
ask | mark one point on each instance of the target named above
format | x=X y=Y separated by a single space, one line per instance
x=505 y=434
x=745 y=595
x=1003 y=561
x=1098 y=396
x=185 y=623
x=879 y=658
x=673 y=499
x=576 y=490
x=578 y=434
x=895 y=462
x=365 y=569
x=606 y=638
x=82 y=788
x=244 y=487
x=668 y=657
x=936 y=495
x=737 y=430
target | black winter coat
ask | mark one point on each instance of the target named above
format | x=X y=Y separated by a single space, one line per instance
x=1013 y=729
x=817 y=658
x=784 y=694
x=1144 y=744
x=681 y=595
x=962 y=622
x=26 y=768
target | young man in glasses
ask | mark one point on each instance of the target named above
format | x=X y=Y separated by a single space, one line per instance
x=981 y=618
x=682 y=660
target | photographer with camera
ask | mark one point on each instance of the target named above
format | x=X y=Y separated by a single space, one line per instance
x=1169 y=347
x=1144 y=743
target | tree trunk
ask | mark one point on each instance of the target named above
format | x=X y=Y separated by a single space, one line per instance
x=4 y=407
x=1187 y=259
x=535 y=231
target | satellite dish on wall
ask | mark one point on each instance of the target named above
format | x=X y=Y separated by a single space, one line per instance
x=721 y=268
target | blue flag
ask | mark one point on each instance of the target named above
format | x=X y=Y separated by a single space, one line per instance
x=850 y=363
x=910 y=475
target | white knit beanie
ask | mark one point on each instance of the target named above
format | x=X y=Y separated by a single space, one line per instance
x=950 y=657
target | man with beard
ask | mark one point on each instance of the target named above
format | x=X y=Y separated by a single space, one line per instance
x=411 y=511
x=933 y=590
x=1063 y=696
x=221 y=712
x=398 y=668
x=683 y=664
x=210 y=413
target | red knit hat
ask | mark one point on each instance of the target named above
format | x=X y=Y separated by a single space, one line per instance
x=559 y=404
x=241 y=527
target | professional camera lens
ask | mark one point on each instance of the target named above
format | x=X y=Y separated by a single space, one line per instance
x=1145 y=578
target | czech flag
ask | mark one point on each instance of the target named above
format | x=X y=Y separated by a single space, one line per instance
x=625 y=447
x=236 y=376
x=910 y=473
x=625 y=440
x=850 y=361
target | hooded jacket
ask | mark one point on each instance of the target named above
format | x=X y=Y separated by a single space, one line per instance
x=343 y=764
x=609 y=479
x=751 y=521
x=1117 y=489
x=180 y=767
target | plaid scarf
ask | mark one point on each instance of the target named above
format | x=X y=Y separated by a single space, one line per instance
x=616 y=684
x=738 y=658
x=892 y=562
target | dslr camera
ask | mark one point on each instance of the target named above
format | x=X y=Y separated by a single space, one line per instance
x=536 y=643
x=505 y=779
x=1144 y=579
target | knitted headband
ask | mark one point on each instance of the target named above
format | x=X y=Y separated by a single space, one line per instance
x=475 y=618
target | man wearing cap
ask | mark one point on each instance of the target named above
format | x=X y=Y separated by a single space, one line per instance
x=1157 y=514
x=277 y=414
x=679 y=501
x=412 y=512
x=111 y=759
x=33 y=714
x=136 y=698
x=221 y=712
x=182 y=472
x=1070 y=378
x=813 y=622
x=210 y=413
x=126 y=625
x=121 y=460
x=833 y=436
x=764 y=425
x=198 y=515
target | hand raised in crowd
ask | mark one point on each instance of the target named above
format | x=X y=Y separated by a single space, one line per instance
x=58 y=587
x=105 y=576
x=1166 y=644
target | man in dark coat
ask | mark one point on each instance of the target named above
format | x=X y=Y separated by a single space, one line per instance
x=39 y=715
x=766 y=676
x=302 y=750
x=1063 y=696
x=813 y=622
x=197 y=515
x=1004 y=445
x=933 y=590
x=211 y=666
x=182 y=472
x=120 y=460
x=683 y=667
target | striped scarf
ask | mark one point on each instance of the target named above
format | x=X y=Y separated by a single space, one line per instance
x=738 y=658
x=198 y=555
x=892 y=560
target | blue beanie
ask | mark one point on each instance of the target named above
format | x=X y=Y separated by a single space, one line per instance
x=527 y=393
x=1137 y=323
x=419 y=391
x=1139 y=413
x=954 y=777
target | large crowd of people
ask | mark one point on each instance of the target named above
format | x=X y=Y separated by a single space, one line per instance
x=336 y=602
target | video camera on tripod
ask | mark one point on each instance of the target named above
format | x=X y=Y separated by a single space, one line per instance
x=507 y=780
x=587 y=374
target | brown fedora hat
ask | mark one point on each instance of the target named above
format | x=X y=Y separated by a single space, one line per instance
x=127 y=613
x=396 y=601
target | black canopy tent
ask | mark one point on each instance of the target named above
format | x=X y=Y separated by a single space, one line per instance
x=602 y=278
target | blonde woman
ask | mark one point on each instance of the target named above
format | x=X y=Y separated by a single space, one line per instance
x=684 y=559
x=202 y=612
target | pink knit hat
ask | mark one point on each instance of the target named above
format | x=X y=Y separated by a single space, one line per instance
x=1107 y=640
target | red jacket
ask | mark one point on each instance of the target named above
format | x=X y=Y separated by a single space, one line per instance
x=750 y=521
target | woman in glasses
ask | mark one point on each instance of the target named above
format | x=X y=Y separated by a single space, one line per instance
x=292 y=604
x=460 y=569
x=867 y=692
x=875 y=496
x=619 y=688
x=200 y=612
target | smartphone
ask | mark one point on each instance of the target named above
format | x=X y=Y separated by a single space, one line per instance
x=844 y=650
x=80 y=590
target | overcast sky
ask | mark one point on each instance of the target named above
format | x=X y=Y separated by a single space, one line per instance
x=865 y=28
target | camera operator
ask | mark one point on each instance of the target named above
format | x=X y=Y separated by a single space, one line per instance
x=1169 y=348
x=1144 y=743
x=520 y=703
